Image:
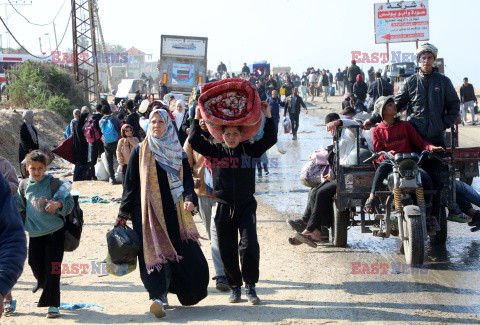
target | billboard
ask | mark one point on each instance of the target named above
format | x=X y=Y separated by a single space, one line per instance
x=403 y=21
x=182 y=74
x=178 y=46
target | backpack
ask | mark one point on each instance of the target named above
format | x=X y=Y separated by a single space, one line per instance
x=73 y=221
x=92 y=134
x=108 y=129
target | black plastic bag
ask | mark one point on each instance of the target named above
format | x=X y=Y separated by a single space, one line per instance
x=123 y=244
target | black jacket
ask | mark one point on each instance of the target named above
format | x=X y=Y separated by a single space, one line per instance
x=262 y=93
x=380 y=87
x=182 y=131
x=288 y=105
x=233 y=170
x=26 y=142
x=360 y=89
x=432 y=105
x=246 y=69
x=467 y=93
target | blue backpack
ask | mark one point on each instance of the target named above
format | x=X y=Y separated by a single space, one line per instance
x=110 y=135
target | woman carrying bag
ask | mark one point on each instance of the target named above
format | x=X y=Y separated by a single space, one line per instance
x=158 y=197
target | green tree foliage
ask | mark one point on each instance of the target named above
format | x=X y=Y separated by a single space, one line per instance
x=45 y=86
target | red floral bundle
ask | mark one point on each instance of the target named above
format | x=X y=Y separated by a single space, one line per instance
x=231 y=102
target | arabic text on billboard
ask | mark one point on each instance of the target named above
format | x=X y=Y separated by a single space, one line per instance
x=184 y=46
x=182 y=74
x=404 y=21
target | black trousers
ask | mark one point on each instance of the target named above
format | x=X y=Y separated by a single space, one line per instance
x=97 y=150
x=319 y=210
x=110 y=152
x=439 y=175
x=42 y=252
x=294 y=118
x=230 y=222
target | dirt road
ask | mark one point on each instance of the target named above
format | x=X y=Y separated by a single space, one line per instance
x=298 y=285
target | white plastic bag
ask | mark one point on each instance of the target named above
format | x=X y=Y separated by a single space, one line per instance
x=281 y=147
x=287 y=124
x=100 y=169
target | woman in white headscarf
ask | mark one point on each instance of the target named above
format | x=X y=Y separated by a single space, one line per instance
x=158 y=197
x=181 y=120
x=28 y=137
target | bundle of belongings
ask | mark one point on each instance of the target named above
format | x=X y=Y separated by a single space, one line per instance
x=231 y=102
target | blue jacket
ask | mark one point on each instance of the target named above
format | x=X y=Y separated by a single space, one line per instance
x=13 y=243
x=275 y=104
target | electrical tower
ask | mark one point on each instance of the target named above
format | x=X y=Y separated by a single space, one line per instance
x=85 y=49
x=98 y=30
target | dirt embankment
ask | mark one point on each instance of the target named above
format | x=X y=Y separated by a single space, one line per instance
x=51 y=129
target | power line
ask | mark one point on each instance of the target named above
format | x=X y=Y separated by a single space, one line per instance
x=35 y=56
x=36 y=23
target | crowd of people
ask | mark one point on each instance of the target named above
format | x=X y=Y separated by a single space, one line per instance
x=170 y=164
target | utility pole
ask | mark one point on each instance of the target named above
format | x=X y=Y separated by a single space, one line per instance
x=85 y=49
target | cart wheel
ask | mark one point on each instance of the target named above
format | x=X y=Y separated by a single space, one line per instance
x=440 y=237
x=340 y=227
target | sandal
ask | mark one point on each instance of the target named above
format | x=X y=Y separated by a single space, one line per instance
x=370 y=205
x=53 y=312
x=306 y=239
x=294 y=241
x=9 y=307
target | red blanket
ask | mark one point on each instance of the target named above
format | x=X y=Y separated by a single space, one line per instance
x=65 y=150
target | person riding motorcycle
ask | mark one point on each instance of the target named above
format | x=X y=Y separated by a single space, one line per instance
x=432 y=106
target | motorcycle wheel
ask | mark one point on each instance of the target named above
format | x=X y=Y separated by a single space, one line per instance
x=340 y=227
x=440 y=237
x=414 y=245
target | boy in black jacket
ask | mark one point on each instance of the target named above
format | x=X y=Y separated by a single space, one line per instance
x=233 y=171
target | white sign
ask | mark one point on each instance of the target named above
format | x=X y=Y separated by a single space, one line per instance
x=404 y=21
x=184 y=47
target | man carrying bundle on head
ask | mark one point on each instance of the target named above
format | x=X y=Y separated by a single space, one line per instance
x=232 y=110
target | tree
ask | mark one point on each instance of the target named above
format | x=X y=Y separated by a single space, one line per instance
x=114 y=48
x=44 y=85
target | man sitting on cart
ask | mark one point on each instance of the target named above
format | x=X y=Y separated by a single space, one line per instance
x=395 y=136
x=432 y=106
x=318 y=213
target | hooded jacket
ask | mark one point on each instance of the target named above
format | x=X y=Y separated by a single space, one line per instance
x=432 y=105
x=360 y=88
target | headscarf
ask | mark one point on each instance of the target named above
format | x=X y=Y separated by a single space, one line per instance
x=122 y=132
x=28 y=119
x=359 y=77
x=168 y=152
x=85 y=109
x=179 y=115
x=427 y=47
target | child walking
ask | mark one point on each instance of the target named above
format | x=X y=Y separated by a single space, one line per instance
x=233 y=171
x=125 y=146
x=45 y=225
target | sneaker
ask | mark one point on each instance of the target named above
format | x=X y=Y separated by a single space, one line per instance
x=298 y=225
x=251 y=294
x=222 y=284
x=235 y=295
x=294 y=137
x=457 y=217
x=112 y=181
x=157 y=308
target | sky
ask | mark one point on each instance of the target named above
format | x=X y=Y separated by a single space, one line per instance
x=295 y=33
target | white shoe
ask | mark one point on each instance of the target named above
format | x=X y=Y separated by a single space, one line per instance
x=157 y=308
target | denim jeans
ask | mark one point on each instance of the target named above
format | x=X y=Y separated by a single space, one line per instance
x=207 y=208
x=111 y=152
x=463 y=110
x=466 y=196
